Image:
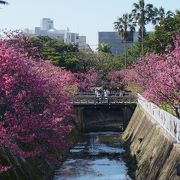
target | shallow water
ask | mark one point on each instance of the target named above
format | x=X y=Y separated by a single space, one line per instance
x=96 y=157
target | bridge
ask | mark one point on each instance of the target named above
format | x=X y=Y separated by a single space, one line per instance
x=110 y=113
x=112 y=99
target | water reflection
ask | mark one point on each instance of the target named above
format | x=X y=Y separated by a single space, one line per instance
x=97 y=156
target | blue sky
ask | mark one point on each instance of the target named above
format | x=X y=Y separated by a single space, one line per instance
x=84 y=16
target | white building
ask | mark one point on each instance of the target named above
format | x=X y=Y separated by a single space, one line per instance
x=71 y=38
x=82 y=42
x=47 y=29
x=47 y=24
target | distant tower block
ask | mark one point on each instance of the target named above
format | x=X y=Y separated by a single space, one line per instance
x=47 y=24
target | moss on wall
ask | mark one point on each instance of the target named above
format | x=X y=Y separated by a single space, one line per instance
x=156 y=153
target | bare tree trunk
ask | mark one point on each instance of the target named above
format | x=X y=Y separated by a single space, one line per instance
x=142 y=38
x=142 y=31
x=126 y=54
x=125 y=60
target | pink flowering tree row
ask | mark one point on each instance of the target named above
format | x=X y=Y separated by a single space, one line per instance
x=87 y=80
x=159 y=76
x=22 y=44
x=116 y=80
x=93 y=78
x=34 y=102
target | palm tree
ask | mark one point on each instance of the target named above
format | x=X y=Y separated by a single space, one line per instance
x=177 y=12
x=143 y=14
x=125 y=26
x=161 y=15
x=3 y=2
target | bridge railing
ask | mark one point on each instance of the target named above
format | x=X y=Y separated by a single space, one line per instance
x=167 y=121
x=111 y=99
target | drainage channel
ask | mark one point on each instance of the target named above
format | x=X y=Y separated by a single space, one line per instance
x=97 y=156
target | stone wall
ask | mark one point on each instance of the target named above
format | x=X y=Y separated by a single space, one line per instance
x=156 y=153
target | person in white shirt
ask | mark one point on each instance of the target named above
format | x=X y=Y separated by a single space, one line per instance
x=106 y=94
x=97 y=94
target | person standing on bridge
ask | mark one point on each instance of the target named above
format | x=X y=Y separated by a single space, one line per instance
x=120 y=93
x=106 y=93
x=97 y=94
x=101 y=95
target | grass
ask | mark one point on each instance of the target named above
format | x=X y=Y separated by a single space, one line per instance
x=168 y=108
x=134 y=89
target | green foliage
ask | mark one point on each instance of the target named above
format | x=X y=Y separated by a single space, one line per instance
x=167 y=26
x=157 y=41
x=125 y=26
x=69 y=57
x=59 y=53
x=72 y=89
x=134 y=53
x=134 y=89
x=86 y=60
x=164 y=33
x=105 y=48
x=108 y=62
x=104 y=62
x=168 y=108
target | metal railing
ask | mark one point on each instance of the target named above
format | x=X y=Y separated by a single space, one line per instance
x=167 y=121
x=111 y=99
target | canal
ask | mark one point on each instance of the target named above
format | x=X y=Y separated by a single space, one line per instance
x=97 y=156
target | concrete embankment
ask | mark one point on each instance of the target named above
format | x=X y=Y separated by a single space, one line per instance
x=156 y=153
x=36 y=168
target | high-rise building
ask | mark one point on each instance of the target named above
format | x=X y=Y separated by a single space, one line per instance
x=47 y=29
x=116 y=42
x=71 y=37
x=82 y=42
x=47 y=24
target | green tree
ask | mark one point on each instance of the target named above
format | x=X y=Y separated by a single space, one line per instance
x=59 y=53
x=161 y=15
x=105 y=48
x=177 y=12
x=165 y=32
x=125 y=26
x=69 y=57
x=134 y=52
x=143 y=14
x=158 y=40
x=107 y=62
x=86 y=60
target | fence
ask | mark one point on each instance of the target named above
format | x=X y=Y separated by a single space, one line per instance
x=169 y=122
x=92 y=99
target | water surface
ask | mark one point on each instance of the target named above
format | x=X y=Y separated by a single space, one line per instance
x=96 y=157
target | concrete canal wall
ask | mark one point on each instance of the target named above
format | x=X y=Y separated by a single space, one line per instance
x=156 y=152
x=104 y=117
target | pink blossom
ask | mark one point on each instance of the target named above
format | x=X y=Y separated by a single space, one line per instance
x=159 y=76
x=34 y=98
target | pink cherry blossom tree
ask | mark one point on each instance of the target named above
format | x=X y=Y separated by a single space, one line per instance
x=34 y=103
x=159 y=76
x=116 y=79
x=87 y=80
